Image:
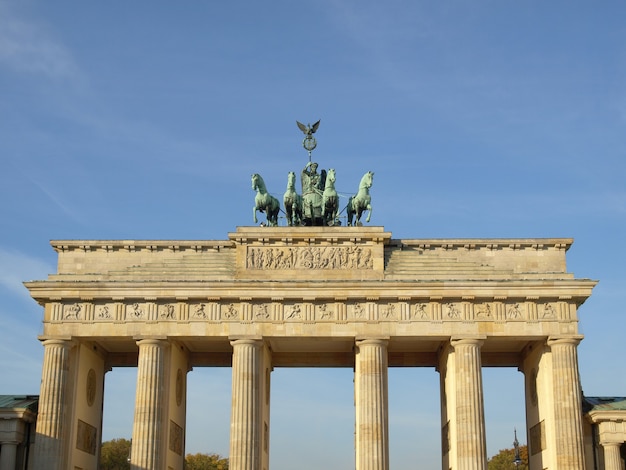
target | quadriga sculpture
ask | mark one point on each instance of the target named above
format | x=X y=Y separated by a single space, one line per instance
x=362 y=200
x=264 y=202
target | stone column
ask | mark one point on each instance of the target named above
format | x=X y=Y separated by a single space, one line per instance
x=568 y=413
x=8 y=455
x=246 y=414
x=612 y=457
x=50 y=452
x=372 y=425
x=149 y=438
x=470 y=413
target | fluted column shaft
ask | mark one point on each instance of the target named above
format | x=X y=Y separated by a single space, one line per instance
x=612 y=457
x=148 y=429
x=8 y=455
x=372 y=422
x=470 y=412
x=49 y=451
x=567 y=404
x=245 y=423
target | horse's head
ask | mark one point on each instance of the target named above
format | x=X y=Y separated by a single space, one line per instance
x=291 y=179
x=331 y=175
x=367 y=180
x=255 y=180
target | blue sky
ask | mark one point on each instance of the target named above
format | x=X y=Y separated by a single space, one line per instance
x=145 y=120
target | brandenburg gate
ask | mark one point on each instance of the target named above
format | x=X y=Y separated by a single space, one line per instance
x=270 y=297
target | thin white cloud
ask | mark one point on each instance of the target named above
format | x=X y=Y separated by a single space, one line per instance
x=28 y=47
x=16 y=267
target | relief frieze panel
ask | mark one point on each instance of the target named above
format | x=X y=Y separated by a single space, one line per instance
x=309 y=257
x=214 y=310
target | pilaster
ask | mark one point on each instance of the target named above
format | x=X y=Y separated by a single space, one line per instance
x=372 y=427
x=51 y=423
x=567 y=403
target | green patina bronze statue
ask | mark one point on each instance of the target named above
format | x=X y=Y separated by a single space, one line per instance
x=264 y=202
x=312 y=190
x=319 y=203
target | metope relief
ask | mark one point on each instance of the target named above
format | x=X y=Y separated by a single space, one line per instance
x=199 y=312
x=358 y=312
x=316 y=257
x=482 y=312
x=135 y=312
x=293 y=312
x=420 y=311
x=72 y=312
x=230 y=312
x=387 y=312
x=324 y=312
x=261 y=312
x=514 y=312
x=167 y=312
x=453 y=312
x=104 y=313
x=548 y=312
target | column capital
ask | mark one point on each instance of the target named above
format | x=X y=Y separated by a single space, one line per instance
x=11 y=442
x=60 y=341
x=139 y=338
x=381 y=341
x=469 y=340
x=556 y=340
x=253 y=340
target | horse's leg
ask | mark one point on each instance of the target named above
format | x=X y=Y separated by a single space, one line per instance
x=369 y=214
x=254 y=214
x=288 y=212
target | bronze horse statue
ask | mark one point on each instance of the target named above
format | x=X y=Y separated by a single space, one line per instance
x=361 y=201
x=264 y=202
x=330 y=199
x=292 y=201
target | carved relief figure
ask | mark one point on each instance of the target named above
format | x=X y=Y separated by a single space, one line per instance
x=231 y=312
x=73 y=312
x=261 y=312
x=136 y=311
x=420 y=311
x=199 y=311
x=514 y=311
x=103 y=312
x=295 y=312
x=548 y=311
x=167 y=311
x=322 y=257
x=453 y=311
x=388 y=311
x=358 y=311
x=482 y=311
x=324 y=312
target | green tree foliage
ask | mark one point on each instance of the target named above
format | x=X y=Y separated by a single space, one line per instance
x=503 y=460
x=205 y=462
x=114 y=455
